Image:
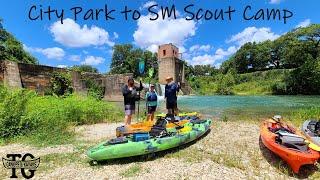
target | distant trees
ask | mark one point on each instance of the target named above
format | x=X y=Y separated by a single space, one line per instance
x=298 y=50
x=200 y=70
x=11 y=49
x=84 y=68
x=125 y=59
x=291 y=50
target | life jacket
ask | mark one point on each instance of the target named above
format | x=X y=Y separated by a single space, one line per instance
x=152 y=96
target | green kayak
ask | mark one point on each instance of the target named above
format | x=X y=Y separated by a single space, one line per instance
x=133 y=147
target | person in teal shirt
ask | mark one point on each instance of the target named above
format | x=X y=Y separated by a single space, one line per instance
x=152 y=102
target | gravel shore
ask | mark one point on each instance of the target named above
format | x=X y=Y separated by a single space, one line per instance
x=230 y=151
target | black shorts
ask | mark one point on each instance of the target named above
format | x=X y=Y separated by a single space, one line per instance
x=152 y=109
x=171 y=105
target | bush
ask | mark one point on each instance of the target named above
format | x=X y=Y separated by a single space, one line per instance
x=279 y=88
x=304 y=114
x=47 y=119
x=60 y=84
x=305 y=79
x=12 y=112
x=225 y=84
x=94 y=89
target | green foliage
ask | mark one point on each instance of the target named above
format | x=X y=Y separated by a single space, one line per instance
x=291 y=50
x=305 y=79
x=204 y=70
x=11 y=49
x=84 y=68
x=94 y=89
x=48 y=119
x=228 y=65
x=61 y=84
x=12 y=112
x=298 y=49
x=256 y=83
x=125 y=59
x=225 y=83
x=302 y=115
x=205 y=85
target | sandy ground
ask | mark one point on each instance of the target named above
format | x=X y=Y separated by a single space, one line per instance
x=231 y=150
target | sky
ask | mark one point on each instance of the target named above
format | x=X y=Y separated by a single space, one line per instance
x=201 y=41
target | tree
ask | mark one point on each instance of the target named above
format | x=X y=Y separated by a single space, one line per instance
x=11 y=49
x=310 y=35
x=225 y=84
x=120 y=59
x=1 y=21
x=189 y=71
x=228 y=65
x=84 y=68
x=295 y=54
x=125 y=59
x=305 y=79
x=204 y=70
x=262 y=55
x=244 y=57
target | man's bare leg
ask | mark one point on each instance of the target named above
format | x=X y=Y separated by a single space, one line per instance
x=127 y=120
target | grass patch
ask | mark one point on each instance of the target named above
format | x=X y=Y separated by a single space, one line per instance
x=132 y=171
x=50 y=162
x=193 y=155
x=256 y=83
x=49 y=120
x=298 y=117
x=227 y=160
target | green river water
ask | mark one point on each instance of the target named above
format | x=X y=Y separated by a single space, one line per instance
x=250 y=106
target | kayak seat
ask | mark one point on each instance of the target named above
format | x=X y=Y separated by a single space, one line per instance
x=314 y=127
x=159 y=129
x=275 y=130
x=293 y=142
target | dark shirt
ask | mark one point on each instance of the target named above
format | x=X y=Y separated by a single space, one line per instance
x=171 y=92
x=131 y=96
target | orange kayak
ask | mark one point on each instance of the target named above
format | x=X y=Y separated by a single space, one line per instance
x=288 y=143
x=147 y=125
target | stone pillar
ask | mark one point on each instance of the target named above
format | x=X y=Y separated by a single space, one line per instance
x=183 y=75
x=77 y=83
x=11 y=75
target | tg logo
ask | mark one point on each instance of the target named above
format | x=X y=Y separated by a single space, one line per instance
x=28 y=162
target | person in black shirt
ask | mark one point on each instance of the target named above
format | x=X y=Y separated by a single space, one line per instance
x=130 y=94
x=170 y=96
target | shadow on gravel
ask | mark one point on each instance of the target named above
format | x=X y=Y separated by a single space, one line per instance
x=148 y=157
x=276 y=161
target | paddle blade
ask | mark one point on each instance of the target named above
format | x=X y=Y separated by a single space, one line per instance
x=313 y=146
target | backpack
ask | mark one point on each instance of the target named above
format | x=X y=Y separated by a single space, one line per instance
x=152 y=97
x=159 y=129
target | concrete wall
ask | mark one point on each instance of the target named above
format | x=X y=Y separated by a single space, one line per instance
x=113 y=86
x=37 y=77
x=11 y=74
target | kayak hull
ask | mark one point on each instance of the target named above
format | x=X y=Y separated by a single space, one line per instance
x=104 y=151
x=308 y=132
x=293 y=157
